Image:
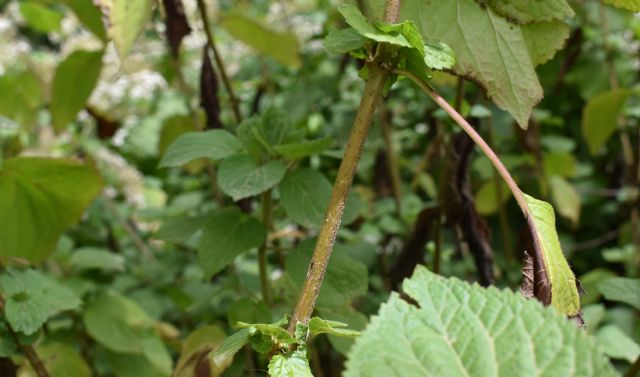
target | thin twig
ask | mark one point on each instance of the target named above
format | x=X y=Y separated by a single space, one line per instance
x=262 y=251
x=392 y=157
x=216 y=56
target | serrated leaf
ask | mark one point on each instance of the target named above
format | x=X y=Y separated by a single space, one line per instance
x=566 y=199
x=282 y=46
x=40 y=17
x=213 y=144
x=343 y=41
x=543 y=39
x=297 y=151
x=41 y=196
x=227 y=234
x=600 y=117
x=564 y=292
x=438 y=55
x=625 y=290
x=127 y=19
x=457 y=329
x=240 y=177
x=88 y=258
x=489 y=49
x=526 y=11
x=356 y=20
x=90 y=16
x=616 y=344
x=305 y=194
x=79 y=71
x=630 y=5
x=318 y=326
x=295 y=365
x=32 y=297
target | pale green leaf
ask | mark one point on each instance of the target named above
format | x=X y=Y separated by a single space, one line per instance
x=566 y=199
x=240 y=177
x=486 y=198
x=79 y=71
x=616 y=344
x=127 y=19
x=61 y=360
x=32 y=297
x=213 y=144
x=346 y=314
x=282 y=46
x=90 y=16
x=133 y=365
x=227 y=234
x=543 y=39
x=229 y=347
x=180 y=228
x=600 y=117
x=295 y=365
x=343 y=41
x=559 y=163
x=625 y=290
x=356 y=20
x=40 y=17
x=630 y=5
x=88 y=258
x=297 y=151
x=305 y=194
x=489 y=49
x=272 y=330
x=564 y=292
x=196 y=349
x=27 y=96
x=456 y=329
x=318 y=326
x=437 y=55
x=41 y=196
x=525 y=11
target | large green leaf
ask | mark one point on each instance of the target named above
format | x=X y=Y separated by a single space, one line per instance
x=616 y=344
x=457 y=329
x=93 y=258
x=90 y=16
x=127 y=19
x=343 y=41
x=240 y=177
x=543 y=39
x=32 y=297
x=600 y=117
x=227 y=234
x=41 y=196
x=281 y=46
x=213 y=144
x=79 y=71
x=631 y=5
x=489 y=49
x=564 y=291
x=525 y=11
x=305 y=194
x=625 y=290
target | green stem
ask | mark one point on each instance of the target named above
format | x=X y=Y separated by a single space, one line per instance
x=216 y=56
x=341 y=188
x=267 y=204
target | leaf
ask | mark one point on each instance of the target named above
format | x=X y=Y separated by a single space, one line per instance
x=489 y=50
x=61 y=360
x=616 y=344
x=133 y=365
x=559 y=163
x=487 y=197
x=196 y=349
x=127 y=19
x=625 y=290
x=438 y=55
x=79 y=71
x=32 y=297
x=343 y=41
x=318 y=326
x=281 y=46
x=630 y=5
x=566 y=199
x=298 y=151
x=227 y=234
x=600 y=117
x=356 y=20
x=295 y=365
x=525 y=11
x=88 y=258
x=230 y=346
x=43 y=197
x=180 y=228
x=564 y=292
x=344 y=280
x=305 y=194
x=27 y=97
x=457 y=329
x=40 y=17
x=543 y=39
x=273 y=330
x=240 y=177
x=90 y=16
x=213 y=144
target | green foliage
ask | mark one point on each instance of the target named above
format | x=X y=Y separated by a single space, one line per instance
x=632 y=5
x=459 y=329
x=616 y=344
x=40 y=17
x=214 y=145
x=624 y=290
x=89 y=15
x=127 y=19
x=525 y=11
x=318 y=326
x=600 y=117
x=32 y=297
x=292 y=366
x=240 y=177
x=42 y=196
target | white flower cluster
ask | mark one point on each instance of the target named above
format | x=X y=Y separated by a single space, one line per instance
x=129 y=180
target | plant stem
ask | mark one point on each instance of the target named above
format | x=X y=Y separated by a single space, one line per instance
x=341 y=187
x=466 y=127
x=633 y=369
x=216 y=56
x=262 y=252
x=28 y=350
x=392 y=157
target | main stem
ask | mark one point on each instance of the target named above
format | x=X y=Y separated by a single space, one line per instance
x=341 y=187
